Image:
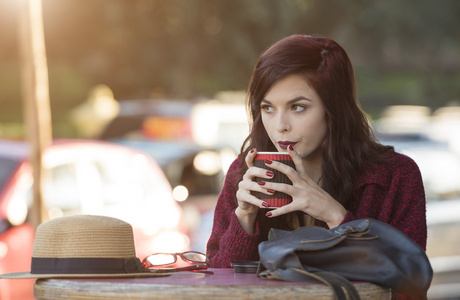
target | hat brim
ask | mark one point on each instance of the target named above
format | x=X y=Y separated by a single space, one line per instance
x=28 y=275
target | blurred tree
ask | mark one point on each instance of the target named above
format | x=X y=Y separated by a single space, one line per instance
x=404 y=52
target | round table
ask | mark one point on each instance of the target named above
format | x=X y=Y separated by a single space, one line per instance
x=224 y=284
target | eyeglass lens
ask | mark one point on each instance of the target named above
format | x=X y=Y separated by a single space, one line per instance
x=194 y=257
x=160 y=259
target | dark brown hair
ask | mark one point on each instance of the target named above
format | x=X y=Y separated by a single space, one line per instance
x=350 y=141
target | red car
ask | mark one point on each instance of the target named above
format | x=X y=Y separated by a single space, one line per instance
x=84 y=177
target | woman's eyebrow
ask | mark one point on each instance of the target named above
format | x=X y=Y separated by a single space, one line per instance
x=290 y=101
x=298 y=99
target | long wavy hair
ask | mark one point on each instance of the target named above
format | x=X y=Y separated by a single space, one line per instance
x=350 y=141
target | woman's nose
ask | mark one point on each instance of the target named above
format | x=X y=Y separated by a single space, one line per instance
x=282 y=124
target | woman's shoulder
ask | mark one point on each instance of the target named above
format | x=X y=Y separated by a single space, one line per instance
x=236 y=165
x=391 y=164
x=234 y=170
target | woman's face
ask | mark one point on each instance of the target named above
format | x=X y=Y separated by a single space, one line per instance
x=293 y=114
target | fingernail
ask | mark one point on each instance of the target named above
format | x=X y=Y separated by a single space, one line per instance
x=268 y=162
x=264 y=204
x=270 y=174
x=271 y=191
x=261 y=182
x=253 y=150
x=290 y=147
x=269 y=214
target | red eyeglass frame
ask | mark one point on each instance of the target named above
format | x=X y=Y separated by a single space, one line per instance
x=199 y=267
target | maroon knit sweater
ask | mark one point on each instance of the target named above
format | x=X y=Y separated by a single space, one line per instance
x=390 y=192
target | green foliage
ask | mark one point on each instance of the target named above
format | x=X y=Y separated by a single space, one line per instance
x=405 y=52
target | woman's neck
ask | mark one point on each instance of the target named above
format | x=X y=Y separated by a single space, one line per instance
x=313 y=167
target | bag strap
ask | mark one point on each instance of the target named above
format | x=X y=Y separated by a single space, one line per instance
x=336 y=282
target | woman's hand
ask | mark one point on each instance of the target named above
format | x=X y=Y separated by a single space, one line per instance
x=248 y=204
x=307 y=195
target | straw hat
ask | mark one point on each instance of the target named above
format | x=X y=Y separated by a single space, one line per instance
x=83 y=246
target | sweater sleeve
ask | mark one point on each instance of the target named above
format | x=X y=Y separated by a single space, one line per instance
x=228 y=241
x=393 y=194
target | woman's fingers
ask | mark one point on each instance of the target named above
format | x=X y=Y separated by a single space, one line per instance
x=253 y=181
x=247 y=189
x=245 y=200
x=281 y=210
x=285 y=169
x=298 y=175
x=297 y=162
x=250 y=157
x=254 y=172
x=278 y=187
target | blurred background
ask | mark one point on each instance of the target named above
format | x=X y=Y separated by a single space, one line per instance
x=166 y=80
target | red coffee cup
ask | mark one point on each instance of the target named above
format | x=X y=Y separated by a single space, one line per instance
x=278 y=199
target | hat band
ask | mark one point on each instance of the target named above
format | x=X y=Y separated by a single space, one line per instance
x=85 y=265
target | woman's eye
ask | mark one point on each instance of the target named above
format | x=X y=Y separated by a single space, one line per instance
x=298 y=108
x=267 y=108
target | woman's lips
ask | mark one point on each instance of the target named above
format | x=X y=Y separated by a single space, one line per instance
x=284 y=144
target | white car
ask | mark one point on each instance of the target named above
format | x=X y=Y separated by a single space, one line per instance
x=85 y=177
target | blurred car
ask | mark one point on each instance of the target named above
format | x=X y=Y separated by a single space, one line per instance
x=85 y=177
x=439 y=165
x=186 y=165
x=163 y=129
x=193 y=142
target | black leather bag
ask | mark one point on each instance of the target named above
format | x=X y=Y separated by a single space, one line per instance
x=361 y=250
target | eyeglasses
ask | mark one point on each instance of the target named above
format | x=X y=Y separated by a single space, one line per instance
x=164 y=259
x=158 y=262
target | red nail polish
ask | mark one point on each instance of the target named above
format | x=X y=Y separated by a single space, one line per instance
x=290 y=147
x=264 y=204
x=261 y=182
x=268 y=162
x=271 y=191
x=253 y=150
x=270 y=174
x=269 y=214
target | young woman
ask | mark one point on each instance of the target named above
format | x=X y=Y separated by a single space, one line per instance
x=302 y=101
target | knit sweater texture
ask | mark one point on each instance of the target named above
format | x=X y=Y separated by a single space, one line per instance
x=391 y=192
